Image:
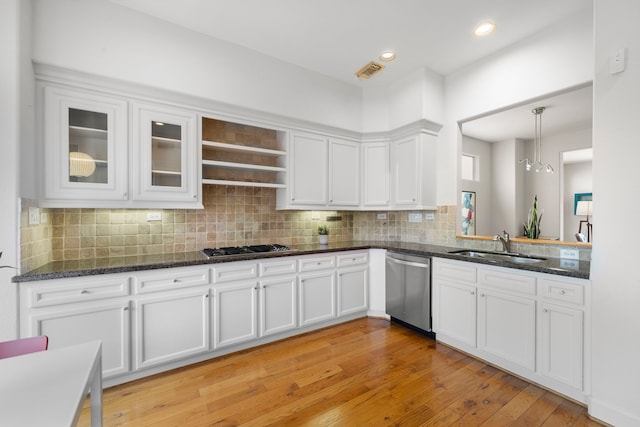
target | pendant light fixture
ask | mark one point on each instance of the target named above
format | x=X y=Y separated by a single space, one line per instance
x=537 y=164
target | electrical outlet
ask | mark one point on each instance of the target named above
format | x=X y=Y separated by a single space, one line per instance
x=429 y=216
x=34 y=216
x=382 y=216
x=154 y=216
x=570 y=263
x=44 y=218
x=569 y=253
x=415 y=217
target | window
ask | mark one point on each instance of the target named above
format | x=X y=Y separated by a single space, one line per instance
x=469 y=167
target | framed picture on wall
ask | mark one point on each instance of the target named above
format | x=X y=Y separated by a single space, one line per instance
x=468 y=213
x=581 y=197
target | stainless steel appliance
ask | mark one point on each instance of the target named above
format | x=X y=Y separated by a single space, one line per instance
x=237 y=250
x=408 y=290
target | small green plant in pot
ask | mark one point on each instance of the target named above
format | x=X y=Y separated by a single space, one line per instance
x=323 y=234
x=532 y=227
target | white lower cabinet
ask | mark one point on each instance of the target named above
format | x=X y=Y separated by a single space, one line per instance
x=278 y=298
x=235 y=313
x=171 y=326
x=352 y=290
x=454 y=311
x=76 y=310
x=67 y=325
x=317 y=297
x=507 y=327
x=532 y=324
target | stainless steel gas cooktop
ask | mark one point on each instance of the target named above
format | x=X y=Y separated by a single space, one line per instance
x=236 y=250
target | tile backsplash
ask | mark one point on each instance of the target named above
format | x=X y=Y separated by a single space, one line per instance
x=231 y=216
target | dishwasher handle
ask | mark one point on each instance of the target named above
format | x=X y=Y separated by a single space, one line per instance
x=412 y=264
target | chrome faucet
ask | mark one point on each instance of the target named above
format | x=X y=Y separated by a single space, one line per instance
x=504 y=239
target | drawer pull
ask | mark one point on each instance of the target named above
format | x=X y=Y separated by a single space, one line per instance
x=125 y=308
x=84 y=292
x=176 y=280
x=562 y=292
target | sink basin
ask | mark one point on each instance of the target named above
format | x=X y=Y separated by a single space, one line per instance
x=500 y=256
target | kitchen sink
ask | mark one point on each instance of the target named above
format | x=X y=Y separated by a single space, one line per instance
x=500 y=256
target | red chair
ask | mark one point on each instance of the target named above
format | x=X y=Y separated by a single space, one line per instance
x=23 y=346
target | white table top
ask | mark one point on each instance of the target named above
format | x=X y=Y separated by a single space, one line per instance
x=47 y=388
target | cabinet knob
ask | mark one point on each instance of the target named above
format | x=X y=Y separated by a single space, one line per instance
x=482 y=295
x=562 y=292
x=473 y=293
x=206 y=296
x=84 y=292
x=176 y=280
x=195 y=196
x=125 y=308
x=413 y=200
x=330 y=201
x=124 y=196
x=545 y=310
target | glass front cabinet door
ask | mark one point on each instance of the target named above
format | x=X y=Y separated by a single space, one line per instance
x=85 y=147
x=165 y=155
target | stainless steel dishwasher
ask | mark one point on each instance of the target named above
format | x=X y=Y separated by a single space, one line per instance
x=408 y=290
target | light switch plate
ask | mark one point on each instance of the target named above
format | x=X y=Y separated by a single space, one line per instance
x=34 y=216
x=415 y=217
x=154 y=216
x=569 y=254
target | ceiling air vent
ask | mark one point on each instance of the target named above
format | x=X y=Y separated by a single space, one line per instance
x=369 y=70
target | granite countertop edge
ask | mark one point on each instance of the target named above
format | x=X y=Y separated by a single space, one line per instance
x=134 y=263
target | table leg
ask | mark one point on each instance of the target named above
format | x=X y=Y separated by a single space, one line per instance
x=96 y=393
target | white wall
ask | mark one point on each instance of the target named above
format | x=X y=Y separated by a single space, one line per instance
x=482 y=151
x=419 y=95
x=106 y=39
x=578 y=178
x=614 y=267
x=547 y=186
x=504 y=214
x=10 y=104
x=560 y=57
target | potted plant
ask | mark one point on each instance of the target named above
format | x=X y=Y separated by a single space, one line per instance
x=532 y=227
x=323 y=234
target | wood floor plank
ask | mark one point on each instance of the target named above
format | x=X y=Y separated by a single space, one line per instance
x=365 y=372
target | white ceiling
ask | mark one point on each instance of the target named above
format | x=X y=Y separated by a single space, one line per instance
x=569 y=110
x=337 y=37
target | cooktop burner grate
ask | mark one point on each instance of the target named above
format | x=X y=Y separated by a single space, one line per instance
x=236 y=250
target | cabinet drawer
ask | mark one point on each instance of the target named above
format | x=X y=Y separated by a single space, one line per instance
x=352 y=258
x=317 y=263
x=508 y=281
x=64 y=291
x=234 y=271
x=563 y=291
x=278 y=268
x=163 y=280
x=454 y=270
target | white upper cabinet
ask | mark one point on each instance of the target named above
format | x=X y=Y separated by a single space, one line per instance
x=375 y=181
x=308 y=170
x=85 y=147
x=344 y=173
x=165 y=156
x=414 y=172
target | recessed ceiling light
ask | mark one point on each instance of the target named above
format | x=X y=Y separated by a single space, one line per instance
x=387 y=56
x=484 y=29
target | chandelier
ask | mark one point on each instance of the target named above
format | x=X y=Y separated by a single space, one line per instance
x=537 y=164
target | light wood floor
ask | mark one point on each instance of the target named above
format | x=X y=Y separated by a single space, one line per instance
x=363 y=373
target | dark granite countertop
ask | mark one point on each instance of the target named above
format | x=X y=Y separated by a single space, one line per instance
x=89 y=267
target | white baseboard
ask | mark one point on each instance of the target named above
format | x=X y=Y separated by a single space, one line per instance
x=611 y=415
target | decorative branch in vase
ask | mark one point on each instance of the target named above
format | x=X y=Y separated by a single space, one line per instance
x=532 y=227
x=323 y=234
